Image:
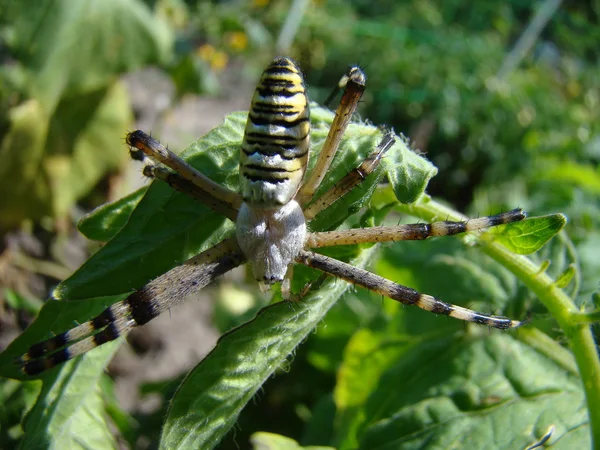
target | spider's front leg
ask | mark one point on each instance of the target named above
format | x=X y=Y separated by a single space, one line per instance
x=354 y=86
x=352 y=179
x=186 y=178
x=180 y=184
x=403 y=294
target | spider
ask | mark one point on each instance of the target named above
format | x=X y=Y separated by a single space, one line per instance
x=275 y=202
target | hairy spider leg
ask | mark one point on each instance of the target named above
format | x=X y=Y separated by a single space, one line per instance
x=410 y=232
x=403 y=294
x=184 y=186
x=139 y=308
x=159 y=153
x=352 y=179
x=355 y=82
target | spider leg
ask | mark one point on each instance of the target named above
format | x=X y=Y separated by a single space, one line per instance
x=159 y=153
x=403 y=294
x=337 y=88
x=139 y=308
x=351 y=179
x=180 y=184
x=354 y=86
x=415 y=231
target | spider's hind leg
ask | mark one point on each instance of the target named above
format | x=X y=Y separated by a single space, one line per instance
x=403 y=294
x=137 y=309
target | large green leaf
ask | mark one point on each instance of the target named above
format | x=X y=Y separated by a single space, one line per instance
x=480 y=391
x=81 y=146
x=213 y=394
x=23 y=187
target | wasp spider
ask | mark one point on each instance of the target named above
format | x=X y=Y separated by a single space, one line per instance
x=275 y=202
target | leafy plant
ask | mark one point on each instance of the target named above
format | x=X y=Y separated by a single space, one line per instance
x=63 y=106
x=407 y=378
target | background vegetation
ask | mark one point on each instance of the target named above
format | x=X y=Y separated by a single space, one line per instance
x=504 y=129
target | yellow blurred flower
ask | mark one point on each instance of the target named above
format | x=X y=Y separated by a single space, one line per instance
x=260 y=3
x=206 y=52
x=216 y=58
x=237 y=40
x=219 y=61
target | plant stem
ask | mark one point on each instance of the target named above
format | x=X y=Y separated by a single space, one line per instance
x=586 y=317
x=291 y=25
x=526 y=41
x=554 y=299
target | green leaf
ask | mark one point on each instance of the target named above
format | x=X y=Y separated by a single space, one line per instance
x=50 y=162
x=69 y=412
x=24 y=190
x=528 y=236
x=408 y=172
x=319 y=429
x=484 y=391
x=46 y=36
x=84 y=143
x=565 y=278
x=16 y=398
x=584 y=176
x=103 y=223
x=213 y=394
x=271 y=441
x=366 y=356
x=19 y=302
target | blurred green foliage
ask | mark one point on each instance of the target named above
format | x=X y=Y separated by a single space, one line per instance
x=374 y=374
x=63 y=107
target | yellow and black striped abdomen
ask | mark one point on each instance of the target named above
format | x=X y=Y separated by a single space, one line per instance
x=274 y=152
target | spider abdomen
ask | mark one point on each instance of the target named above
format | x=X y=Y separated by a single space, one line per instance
x=275 y=148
